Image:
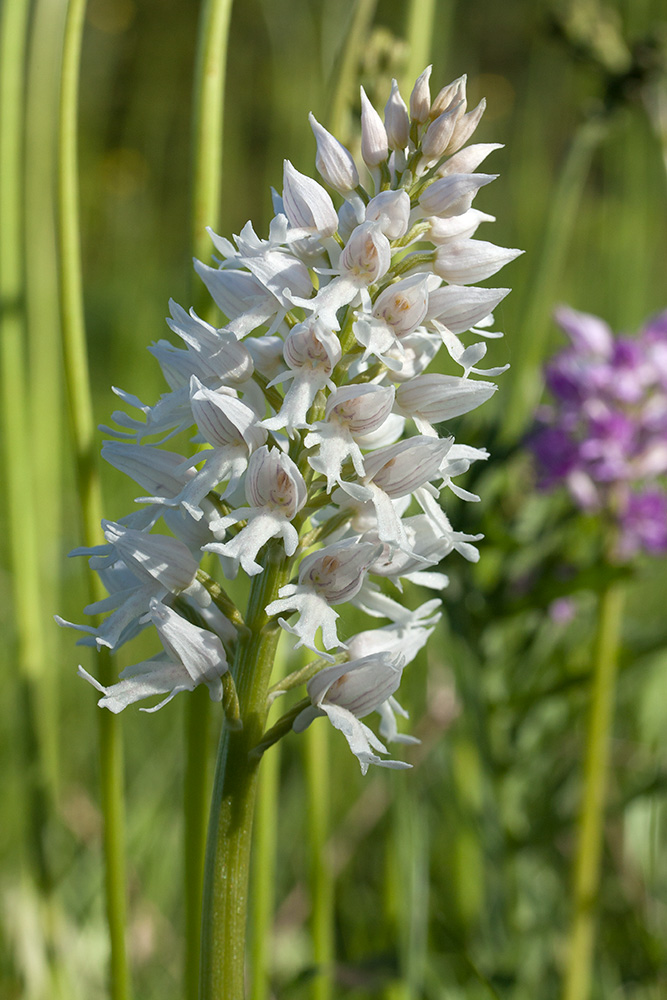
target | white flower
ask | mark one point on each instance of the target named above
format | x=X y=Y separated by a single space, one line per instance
x=241 y=297
x=351 y=410
x=276 y=492
x=331 y=576
x=160 y=564
x=334 y=162
x=468 y=261
x=395 y=472
x=420 y=98
x=396 y=312
x=194 y=656
x=396 y=119
x=214 y=356
x=431 y=398
x=343 y=312
x=453 y=194
x=307 y=205
x=459 y=308
x=348 y=692
x=374 y=145
x=233 y=430
x=391 y=210
x=312 y=351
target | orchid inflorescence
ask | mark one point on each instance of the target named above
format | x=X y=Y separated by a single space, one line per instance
x=300 y=406
x=605 y=435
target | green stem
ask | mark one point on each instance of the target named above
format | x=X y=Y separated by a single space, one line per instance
x=208 y=106
x=207 y=116
x=316 y=754
x=419 y=36
x=22 y=536
x=75 y=358
x=235 y=785
x=264 y=865
x=578 y=972
x=45 y=424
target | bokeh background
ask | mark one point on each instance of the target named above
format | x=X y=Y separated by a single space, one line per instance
x=452 y=880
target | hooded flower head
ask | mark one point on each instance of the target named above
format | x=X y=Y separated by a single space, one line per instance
x=315 y=464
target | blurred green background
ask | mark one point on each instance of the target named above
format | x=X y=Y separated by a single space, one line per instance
x=452 y=880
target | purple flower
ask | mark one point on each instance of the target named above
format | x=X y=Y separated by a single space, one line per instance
x=644 y=524
x=556 y=453
x=605 y=436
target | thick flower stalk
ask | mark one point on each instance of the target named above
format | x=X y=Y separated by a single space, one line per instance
x=605 y=435
x=319 y=464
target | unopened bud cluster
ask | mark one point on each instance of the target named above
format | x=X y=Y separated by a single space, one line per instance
x=313 y=424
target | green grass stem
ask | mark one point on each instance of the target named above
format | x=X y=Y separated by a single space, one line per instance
x=75 y=360
x=321 y=882
x=578 y=971
x=207 y=136
x=419 y=36
x=406 y=890
x=45 y=417
x=23 y=538
x=343 y=90
x=208 y=115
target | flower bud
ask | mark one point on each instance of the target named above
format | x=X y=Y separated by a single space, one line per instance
x=333 y=161
x=468 y=159
x=396 y=119
x=367 y=255
x=465 y=127
x=391 y=210
x=435 y=397
x=460 y=308
x=471 y=260
x=453 y=94
x=439 y=134
x=307 y=205
x=458 y=227
x=420 y=98
x=452 y=195
x=374 y=144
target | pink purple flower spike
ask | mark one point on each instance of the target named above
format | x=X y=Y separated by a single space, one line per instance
x=605 y=435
